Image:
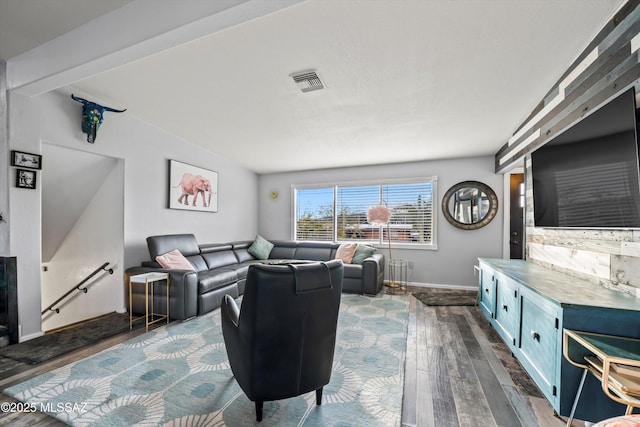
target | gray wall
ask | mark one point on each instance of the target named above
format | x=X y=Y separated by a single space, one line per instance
x=451 y=264
x=55 y=118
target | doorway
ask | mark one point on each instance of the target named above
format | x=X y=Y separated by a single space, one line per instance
x=82 y=228
x=516 y=215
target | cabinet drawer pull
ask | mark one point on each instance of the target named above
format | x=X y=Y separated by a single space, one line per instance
x=504 y=307
x=486 y=290
x=535 y=335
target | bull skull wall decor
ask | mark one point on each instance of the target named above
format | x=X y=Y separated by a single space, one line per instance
x=92 y=116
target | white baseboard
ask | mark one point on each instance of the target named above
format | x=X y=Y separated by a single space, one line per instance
x=24 y=338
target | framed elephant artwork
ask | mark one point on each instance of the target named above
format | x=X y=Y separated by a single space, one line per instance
x=192 y=188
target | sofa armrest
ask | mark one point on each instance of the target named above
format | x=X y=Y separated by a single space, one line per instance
x=373 y=274
x=183 y=290
x=151 y=264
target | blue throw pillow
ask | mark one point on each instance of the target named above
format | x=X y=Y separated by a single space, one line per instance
x=260 y=248
x=362 y=252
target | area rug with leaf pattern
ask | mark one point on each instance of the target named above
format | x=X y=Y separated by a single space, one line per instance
x=179 y=375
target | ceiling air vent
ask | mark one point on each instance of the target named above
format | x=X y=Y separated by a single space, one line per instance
x=308 y=81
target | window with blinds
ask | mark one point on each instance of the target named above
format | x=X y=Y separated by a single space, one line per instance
x=314 y=214
x=339 y=213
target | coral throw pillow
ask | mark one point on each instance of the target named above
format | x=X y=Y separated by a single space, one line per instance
x=345 y=252
x=174 y=260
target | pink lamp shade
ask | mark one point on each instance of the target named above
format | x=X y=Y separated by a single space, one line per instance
x=378 y=215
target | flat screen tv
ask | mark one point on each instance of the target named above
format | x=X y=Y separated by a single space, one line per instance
x=589 y=176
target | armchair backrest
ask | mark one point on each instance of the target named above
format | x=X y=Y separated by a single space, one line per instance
x=288 y=323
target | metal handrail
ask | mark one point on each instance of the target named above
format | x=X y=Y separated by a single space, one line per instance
x=78 y=288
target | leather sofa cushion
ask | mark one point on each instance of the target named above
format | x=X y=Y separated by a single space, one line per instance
x=242 y=252
x=316 y=251
x=185 y=243
x=220 y=259
x=283 y=250
x=214 y=279
x=198 y=263
x=215 y=247
x=241 y=269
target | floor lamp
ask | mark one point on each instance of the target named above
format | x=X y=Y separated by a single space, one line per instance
x=380 y=215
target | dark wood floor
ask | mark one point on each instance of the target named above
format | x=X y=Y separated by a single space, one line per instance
x=458 y=373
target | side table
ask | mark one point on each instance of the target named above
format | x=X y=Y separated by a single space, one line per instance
x=398 y=273
x=149 y=280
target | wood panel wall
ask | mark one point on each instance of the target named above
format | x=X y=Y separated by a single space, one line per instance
x=607 y=67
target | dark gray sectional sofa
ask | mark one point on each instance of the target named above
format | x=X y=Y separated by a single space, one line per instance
x=221 y=269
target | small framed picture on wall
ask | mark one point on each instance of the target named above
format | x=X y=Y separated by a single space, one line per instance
x=26 y=179
x=26 y=160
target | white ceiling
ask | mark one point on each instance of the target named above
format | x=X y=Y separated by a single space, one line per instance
x=405 y=79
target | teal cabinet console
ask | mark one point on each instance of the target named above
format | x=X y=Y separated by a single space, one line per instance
x=507 y=310
x=540 y=336
x=529 y=305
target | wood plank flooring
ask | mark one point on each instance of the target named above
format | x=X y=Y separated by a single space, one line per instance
x=458 y=373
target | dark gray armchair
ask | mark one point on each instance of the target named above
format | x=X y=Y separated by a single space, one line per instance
x=281 y=342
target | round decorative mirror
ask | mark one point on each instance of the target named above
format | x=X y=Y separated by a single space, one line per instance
x=470 y=205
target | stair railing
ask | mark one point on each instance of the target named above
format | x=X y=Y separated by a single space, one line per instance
x=77 y=287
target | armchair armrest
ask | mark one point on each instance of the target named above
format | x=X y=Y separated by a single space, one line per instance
x=236 y=344
x=230 y=310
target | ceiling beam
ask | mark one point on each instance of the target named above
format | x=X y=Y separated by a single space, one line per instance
x=136 y=30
